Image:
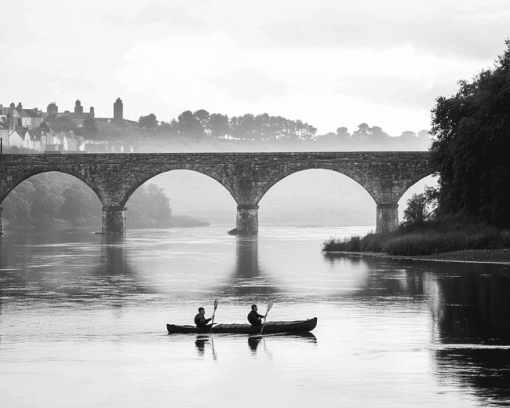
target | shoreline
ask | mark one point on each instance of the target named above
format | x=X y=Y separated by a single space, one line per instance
x=475 y=256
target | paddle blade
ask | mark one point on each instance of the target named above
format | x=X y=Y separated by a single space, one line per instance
x=269 y=306
x=214 y=312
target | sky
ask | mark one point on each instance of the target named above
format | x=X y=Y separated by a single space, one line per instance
x=329 y=63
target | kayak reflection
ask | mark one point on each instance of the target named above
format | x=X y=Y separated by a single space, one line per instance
x=200 y=343
x=255 y=340
x=253 y=343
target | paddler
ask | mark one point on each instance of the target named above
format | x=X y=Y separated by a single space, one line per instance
x=254 y=318
x=201 y=321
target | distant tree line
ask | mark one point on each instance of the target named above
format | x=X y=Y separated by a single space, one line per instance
x=201 y=126
x=58 y=200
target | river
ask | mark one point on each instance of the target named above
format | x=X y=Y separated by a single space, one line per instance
x=83 y=323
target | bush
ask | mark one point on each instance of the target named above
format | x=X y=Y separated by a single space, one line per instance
x=425 y=242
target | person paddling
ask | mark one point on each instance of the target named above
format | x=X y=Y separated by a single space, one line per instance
x=254 y=318
x=201 y=321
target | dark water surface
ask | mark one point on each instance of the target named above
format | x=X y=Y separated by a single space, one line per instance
x=82 y=323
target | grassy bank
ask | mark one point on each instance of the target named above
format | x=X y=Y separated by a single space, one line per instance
x=423 y=242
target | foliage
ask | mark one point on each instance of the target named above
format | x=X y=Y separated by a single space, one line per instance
x=471 y=150
x=90 y=127
x=423 y=242
x=429 y=243
x=62 y=124
x=41 y=200
x=148 y=122
x=418 y=211
x=148 y=207
x=369 y=243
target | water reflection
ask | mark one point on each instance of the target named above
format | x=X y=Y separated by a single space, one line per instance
x=471 y=317
x=484 y=371
x=469 y=305
x=255 y=340
x=200 y=344
x=450 y=320
x=247 y=278
x=75 y=268
x=253 y=343
x=113 y=256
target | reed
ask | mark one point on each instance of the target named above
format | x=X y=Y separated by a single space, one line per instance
x=425 y=242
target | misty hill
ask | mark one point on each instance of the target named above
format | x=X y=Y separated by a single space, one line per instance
x=203 y=132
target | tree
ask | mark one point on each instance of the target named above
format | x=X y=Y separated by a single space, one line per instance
x=408 y=134
x=218 y=125
x=471 y=150
x=189 y=125
x=362 y=132
x=148 y=122
x=203 y=117
x=44 y=127
x=149 y=207
x=417 y=211
x=90 y=127
x=61 y=123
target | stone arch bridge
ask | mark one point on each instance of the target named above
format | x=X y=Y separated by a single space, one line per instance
x=247 y=176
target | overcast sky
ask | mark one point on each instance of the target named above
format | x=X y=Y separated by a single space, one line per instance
x=330 y=63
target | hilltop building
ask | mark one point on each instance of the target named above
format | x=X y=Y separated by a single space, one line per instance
x=77 y=115
x=15 y=117
x=118 y=110
x=21 y=127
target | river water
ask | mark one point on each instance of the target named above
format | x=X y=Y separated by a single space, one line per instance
x=83 y=323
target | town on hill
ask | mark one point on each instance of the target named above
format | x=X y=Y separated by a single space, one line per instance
x=53 y=131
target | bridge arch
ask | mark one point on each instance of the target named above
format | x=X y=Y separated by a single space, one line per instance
x=30 y=172
x=44 y=196
x=415 y=180
x=144 y=178
x=192 y=192
x=318 y=196
x=416 y=188
x=280 y=176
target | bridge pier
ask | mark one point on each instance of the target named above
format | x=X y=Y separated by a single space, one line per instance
x=247 y=220
x=387 y=217
x=114 y=220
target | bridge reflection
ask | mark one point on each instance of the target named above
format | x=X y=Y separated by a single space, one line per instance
x=75 y=270
x=247 y=278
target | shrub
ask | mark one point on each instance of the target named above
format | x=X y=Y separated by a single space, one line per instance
x=424 y=242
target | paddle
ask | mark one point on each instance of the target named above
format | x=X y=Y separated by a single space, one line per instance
x=269 y=306
x=215 y=306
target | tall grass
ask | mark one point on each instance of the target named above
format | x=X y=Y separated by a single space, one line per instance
x=425 y=242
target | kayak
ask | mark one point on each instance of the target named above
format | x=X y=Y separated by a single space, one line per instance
x=297 y=326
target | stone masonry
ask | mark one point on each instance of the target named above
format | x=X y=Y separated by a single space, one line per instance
x=247 y=176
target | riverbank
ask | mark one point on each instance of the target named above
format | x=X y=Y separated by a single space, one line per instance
x=485 y=256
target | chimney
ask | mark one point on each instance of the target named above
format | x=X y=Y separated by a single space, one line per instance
x=52 y=108
x=77 y=107
x=92 y=112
